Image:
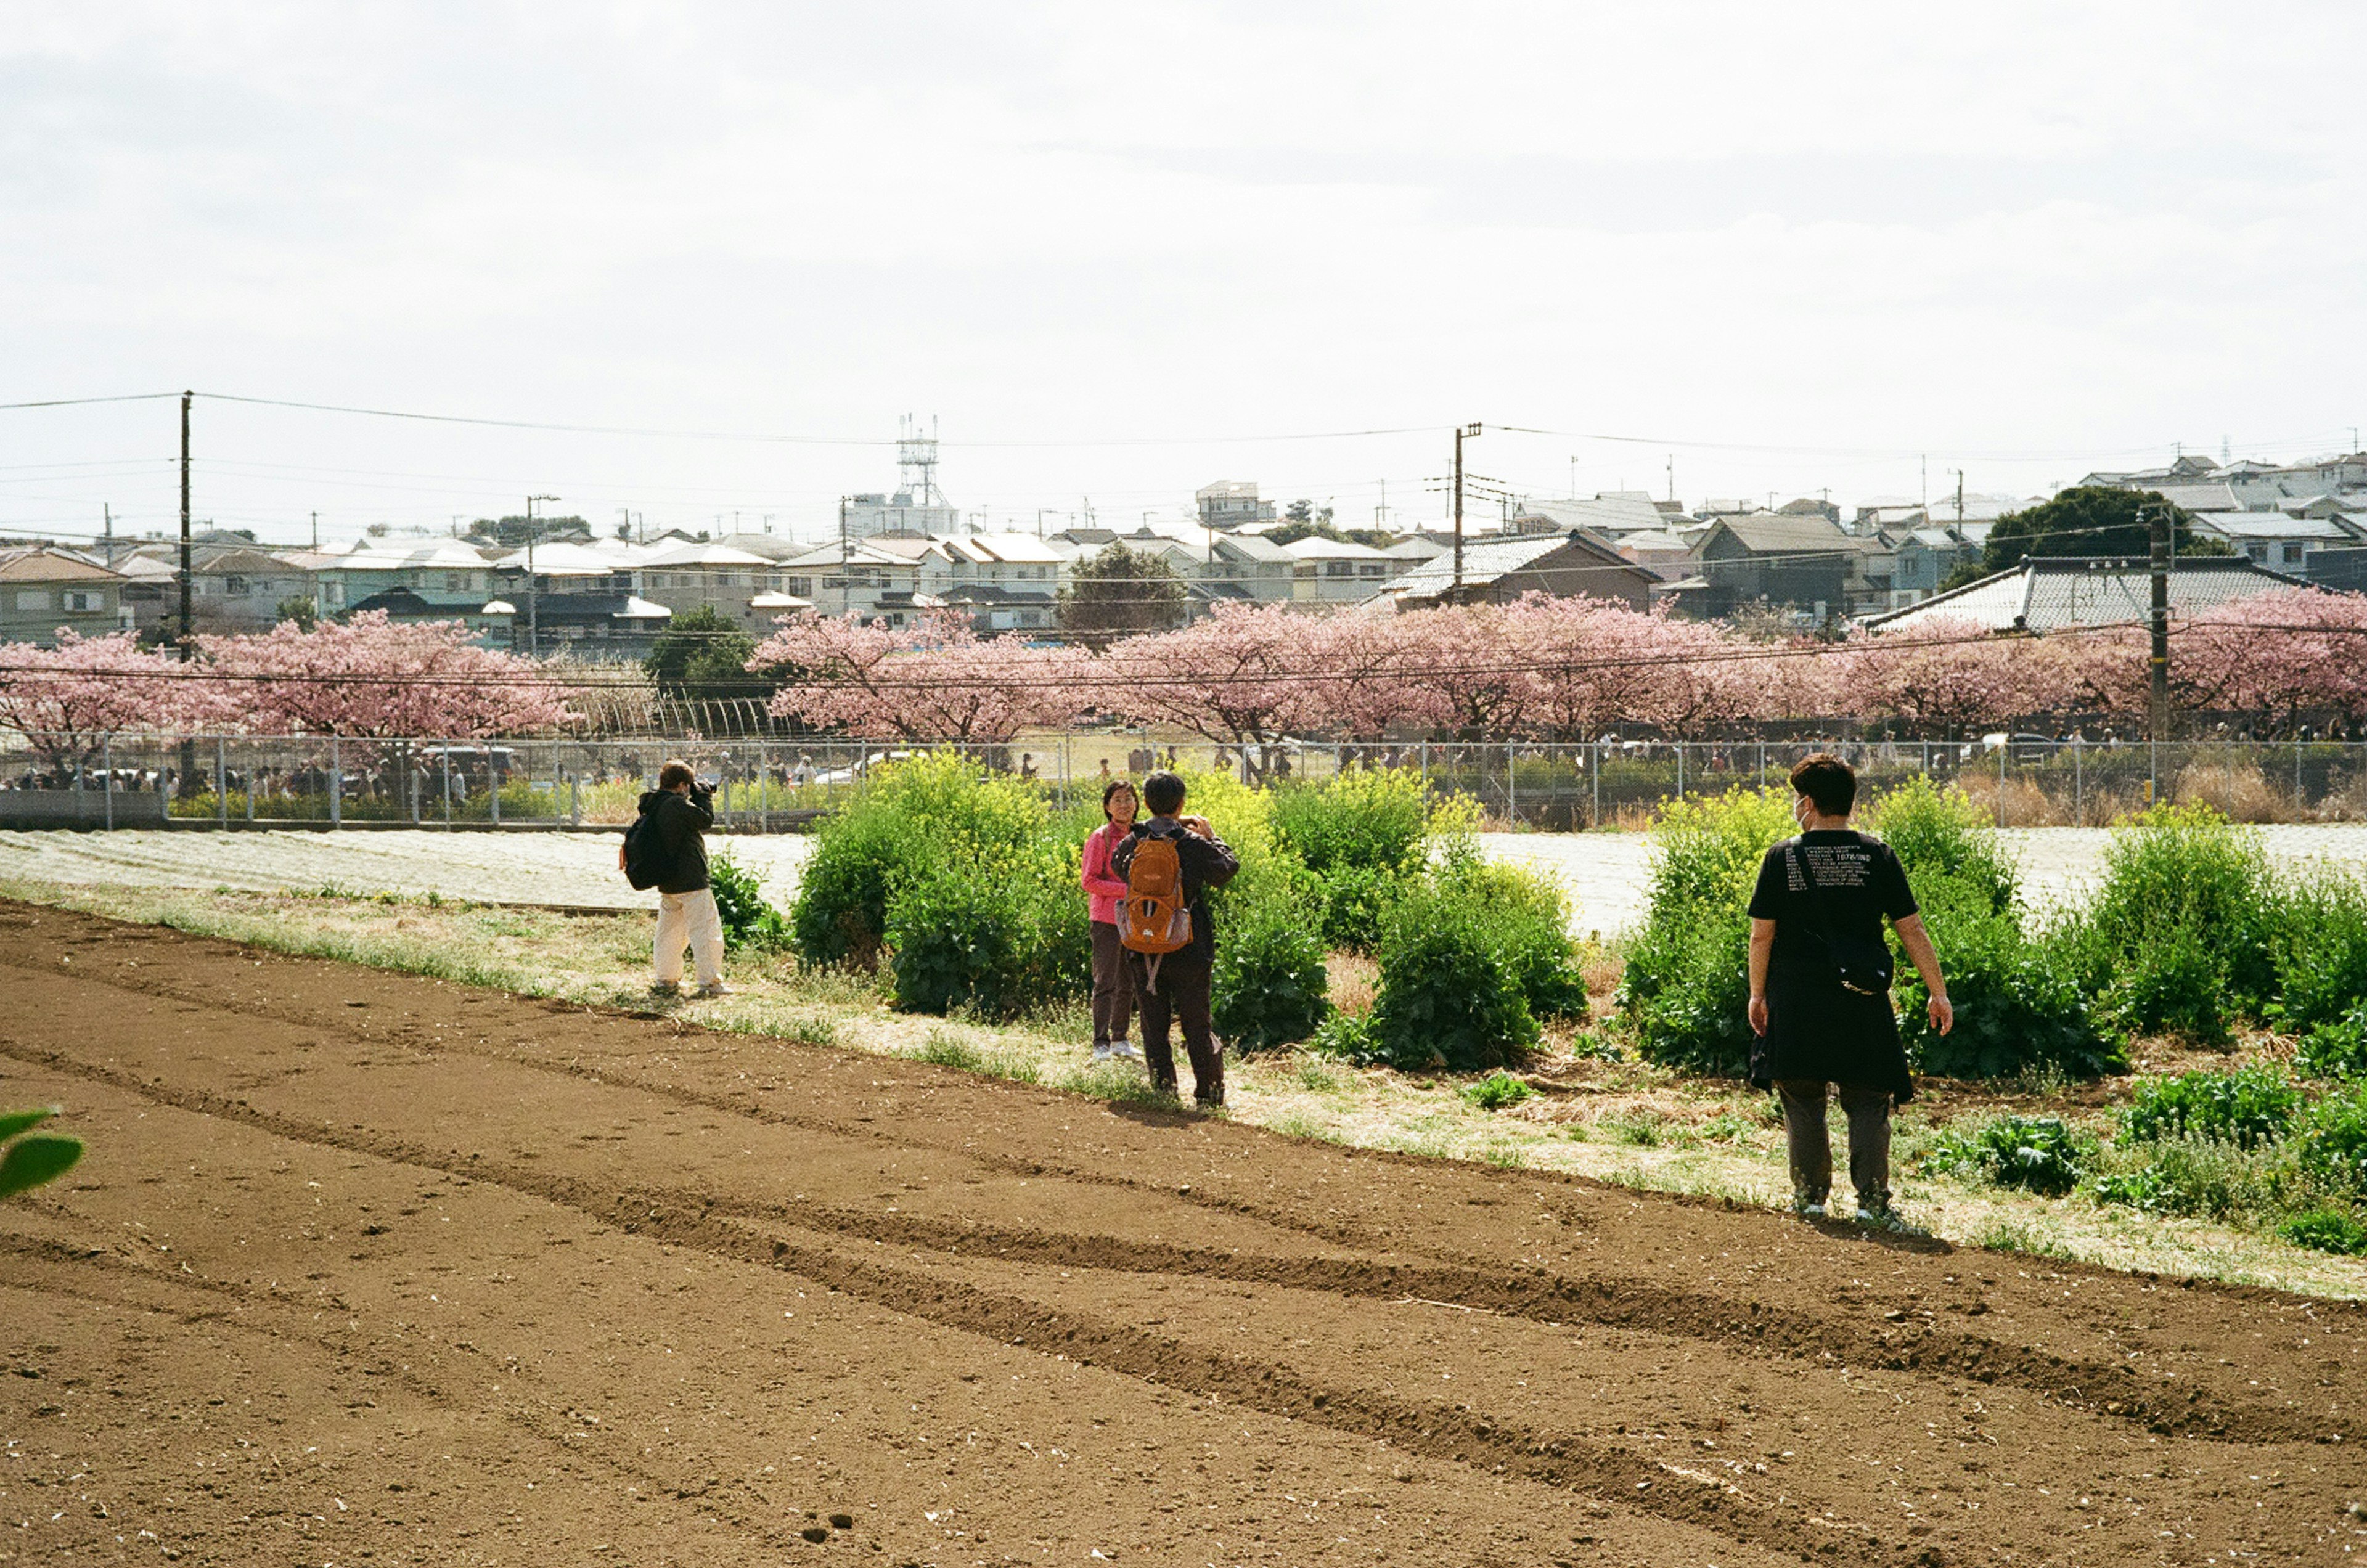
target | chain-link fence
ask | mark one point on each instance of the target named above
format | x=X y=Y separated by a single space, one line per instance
x=769 y=785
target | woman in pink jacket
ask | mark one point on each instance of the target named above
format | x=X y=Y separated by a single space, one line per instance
x=1113 y=991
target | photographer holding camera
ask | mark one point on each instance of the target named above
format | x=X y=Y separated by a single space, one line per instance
x=674 y=817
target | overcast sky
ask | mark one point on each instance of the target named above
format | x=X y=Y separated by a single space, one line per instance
x=1790 y=247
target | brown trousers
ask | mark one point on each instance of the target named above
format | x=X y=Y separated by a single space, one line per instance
x=1868 y=1110
x=1113 y=986
x=1183 y=989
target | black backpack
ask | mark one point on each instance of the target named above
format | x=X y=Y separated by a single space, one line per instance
x=645 y=859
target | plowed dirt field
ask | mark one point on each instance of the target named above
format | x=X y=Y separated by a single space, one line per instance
x=363 y=1267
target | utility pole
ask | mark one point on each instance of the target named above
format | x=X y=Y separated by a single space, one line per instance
x=316 y=531
x=2159 y=517
x=1960 y=497
x=844 y=592
x=188 y=647
x=1462 y=433
x=533 y=594
x=106 y=516
x=1672 y=475
x=1573 y=476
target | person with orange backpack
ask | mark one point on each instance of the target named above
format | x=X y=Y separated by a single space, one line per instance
x=1168 y=863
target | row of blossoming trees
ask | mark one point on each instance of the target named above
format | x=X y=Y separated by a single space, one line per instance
x=366 y=677
x=1544 y=668
x=1557 y=669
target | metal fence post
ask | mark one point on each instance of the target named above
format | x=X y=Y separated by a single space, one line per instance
x=448 y=785
x=2078 y=783
x=1511 y=783
x=2297 y=801
x=106 y=763
x=222 y=783
x=250 y=786
x=1426 y=771
x=492 y=786
x=2002 y=752
x=1595 y=820
x=336 y=786
x=1680 y=770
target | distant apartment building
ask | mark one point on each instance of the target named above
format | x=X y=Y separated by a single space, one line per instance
x=1229 y=504
x=1336 y=571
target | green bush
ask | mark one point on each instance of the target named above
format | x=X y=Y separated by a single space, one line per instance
x=1363 y=820
x=1003 y=938
x=1349 y=1036
x=2333 y=1138
x=1447 y=993
x=1361 y=836
x=2018 y=1001
x=2326 y=1230
x=1528 y=916
x=1497 y=1092
x=748 y=920
x=1688 y=968
x=911 y=818
x=2318 y=949
x=1942 y=836
x=1269 y=985
x=2039 y=1153
x=2246 y=1108
x=2178 y=937
x=2337 y=1050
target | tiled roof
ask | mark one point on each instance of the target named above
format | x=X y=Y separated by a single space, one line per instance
x=2046 y=595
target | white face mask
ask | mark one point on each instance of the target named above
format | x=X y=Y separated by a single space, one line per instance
x=1802 y=809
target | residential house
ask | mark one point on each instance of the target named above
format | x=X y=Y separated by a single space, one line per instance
x=43 y=589
x=1499 y=570
x=716 y=577
x=1922 y=558
x=2277 y=540
x=1658 y=551
x=1609 y=516
x=1335 y=571
x=1808 y=563
x=2047 y=594
x=861 y=577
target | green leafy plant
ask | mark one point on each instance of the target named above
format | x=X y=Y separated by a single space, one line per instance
x=1497 y=1092
x=748 y=920
x=2337 y=1050
x=2249 y=1107
x=1688 y=968
x=1941 y=834
x=1447 y=993
x=2176 y=940
x=1349 y=1036
x=29 y=1161
x=2326 y=1230
x=2041 y=1154
x=1529 y=917
x=1362 y=834
x=2317 y=949
x=1001 y=937
x=2333 y=1138
x=1270 y=987
x=2192 y=1175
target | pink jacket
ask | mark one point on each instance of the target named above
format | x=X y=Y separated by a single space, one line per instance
x=1093 y=875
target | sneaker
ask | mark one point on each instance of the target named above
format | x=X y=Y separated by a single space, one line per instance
x=1124 y=1051
x=1103 y=1052
x=1884 y=1218
x=717 y=989
x=665 y=989
x=1808 y=1208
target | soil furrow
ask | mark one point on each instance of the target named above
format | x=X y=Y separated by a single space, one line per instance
x=2099 y=1388
x=1628 y=1480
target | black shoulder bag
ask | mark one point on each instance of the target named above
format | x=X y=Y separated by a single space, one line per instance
x=1859 y=966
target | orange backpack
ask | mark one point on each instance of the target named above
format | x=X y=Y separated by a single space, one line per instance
x=1153 y=918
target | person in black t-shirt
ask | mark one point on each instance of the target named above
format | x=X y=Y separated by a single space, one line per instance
x=1820 y=988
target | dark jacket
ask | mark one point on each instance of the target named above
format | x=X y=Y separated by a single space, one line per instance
x=1206 y=864
x=681 y=818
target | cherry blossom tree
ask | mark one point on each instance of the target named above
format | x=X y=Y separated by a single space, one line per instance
x=67 y=700
x=939 y=681
x=1947 y=677
x=2275 y=659
x=1241 y=678
x=370 y=677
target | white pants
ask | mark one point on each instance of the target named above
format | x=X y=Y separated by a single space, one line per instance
x=691 y=918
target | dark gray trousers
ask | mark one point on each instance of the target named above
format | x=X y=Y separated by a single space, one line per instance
x=1868 y=1110
x=1113 y=986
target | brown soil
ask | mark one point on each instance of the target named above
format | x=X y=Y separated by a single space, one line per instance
x=363 y=1267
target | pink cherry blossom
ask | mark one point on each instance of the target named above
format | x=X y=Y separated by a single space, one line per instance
x=370 y=677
